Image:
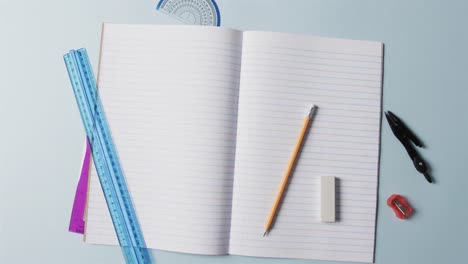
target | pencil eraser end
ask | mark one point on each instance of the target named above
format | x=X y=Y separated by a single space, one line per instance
x=327 y=194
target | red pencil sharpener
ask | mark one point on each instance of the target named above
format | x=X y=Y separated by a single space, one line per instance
x=399 y=205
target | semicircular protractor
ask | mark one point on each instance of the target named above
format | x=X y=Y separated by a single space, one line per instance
x=196 y=12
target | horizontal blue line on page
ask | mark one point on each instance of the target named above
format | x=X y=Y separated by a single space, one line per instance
x=162 y=72
x=245 y=184
x=284 y=111
x=183 y=186
x=240 y=192
x=245 y=60
x=191 y=245
x=138 y=82
x=338 y=203
x=190 y=228
x=259 y=193
x=288 y=134
x=305 y=151
x=245 y=155
x=245 y=188
x=174 y=47
x=167 y=211
x=321 y=140
x=232 y=148
x=261 y=65
x=273 y=95
x=375 y=108
x=290 y=214
x=270 y=79
x=312 y=91
x=308 y=89
x=248 y=157
x=279 y=135
x=265 y=135
x=305 y=182
x=243 y=123
x=333 y=107
x=199 y=132
x=318 y=76
x=151 y=54
x=228 y=172
x=199 y=221
x=223 y=60
x=298 y=192
x=343 y=183
x=316 y=127
x=294 y=184
x=296 y=248
x=299 y=118
x=266 y=168
x=268 y=45
x=202 y=79
x=232 y=117
x=201 y=113
x=142 y=103
x=255 y=52
x=338 y=211
x=194 y=238
x=299 y=115
x=315 y=158
x=215 y=64
x=335 y=224
x=324 y=134
x=202 y=204
x=123 y=38
x=158 y=51
x=303 y=242
x=243 y=172
x=285 y=229
x=174 y=246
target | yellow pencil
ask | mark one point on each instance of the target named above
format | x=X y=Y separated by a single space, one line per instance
x=287 y=172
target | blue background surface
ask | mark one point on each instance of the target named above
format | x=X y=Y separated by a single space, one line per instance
x=425 y=82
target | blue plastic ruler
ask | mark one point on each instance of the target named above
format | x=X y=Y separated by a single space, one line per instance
x=197 y=12
x=106 y=159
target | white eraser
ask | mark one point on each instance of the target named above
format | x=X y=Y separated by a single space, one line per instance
x=327 y=198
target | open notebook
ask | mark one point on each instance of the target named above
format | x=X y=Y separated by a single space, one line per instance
x=204 y=120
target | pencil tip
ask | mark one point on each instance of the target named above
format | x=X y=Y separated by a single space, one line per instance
x=266 y=233
x=312 y=111
x=428 y=178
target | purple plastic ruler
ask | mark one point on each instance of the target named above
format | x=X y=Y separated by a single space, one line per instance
x=77 y=222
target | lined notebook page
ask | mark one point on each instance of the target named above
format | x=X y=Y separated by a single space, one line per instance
x=282 y=75
x=170 y=96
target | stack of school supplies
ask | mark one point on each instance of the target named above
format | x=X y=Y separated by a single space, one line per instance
x=204 y=119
